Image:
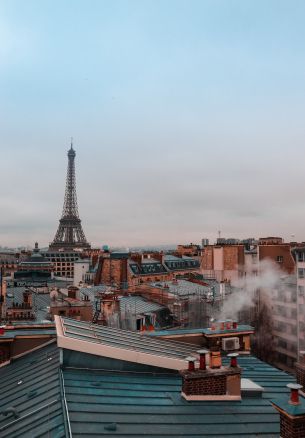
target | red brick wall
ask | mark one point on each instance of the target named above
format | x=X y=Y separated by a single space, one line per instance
x=207 y=258
x=292 y=427
x=194 y=384
x=273 y=251
x=300 y=373
x=213 y=385
x=233 y=257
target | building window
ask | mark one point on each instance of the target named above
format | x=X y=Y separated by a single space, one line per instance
x=301 y=290
x=301 y=257
x=301 y=272
x=280 y=259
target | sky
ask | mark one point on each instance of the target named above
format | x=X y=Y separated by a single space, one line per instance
x=187 y=118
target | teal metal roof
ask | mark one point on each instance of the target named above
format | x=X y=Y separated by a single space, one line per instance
x=294 y=410
x=240 y=328
x=31 y=386
x=191 y=331
x=131 y=405
x=103 y=403
x=173 y=332
x=11 y=334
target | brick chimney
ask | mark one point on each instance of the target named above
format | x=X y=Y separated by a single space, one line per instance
x=73 y=292
x=300 y=369
x=292 y=413
x=27 y=299
x=207 y=383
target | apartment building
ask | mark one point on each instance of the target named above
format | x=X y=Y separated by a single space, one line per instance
x=300 y=269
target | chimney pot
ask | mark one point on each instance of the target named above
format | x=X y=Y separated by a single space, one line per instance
x=228 y=324
x=215 y=359
x=235 y=324
x=294 y=393
x=233 y=357
x=191 y=363
x=202 y=362
x=222 y=325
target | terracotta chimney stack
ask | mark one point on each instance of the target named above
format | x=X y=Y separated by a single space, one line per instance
x=294 y=393
x=233 y=357
x=191 y=363
x=202 y=361
x=206 y=383
x=215 y=359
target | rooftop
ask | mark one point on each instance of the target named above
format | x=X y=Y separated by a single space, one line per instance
x=30 y=387
x=133 y=404
x=41 y=399
x=205 y=331
x=121 y=344
x=41 y=302
x=186 y=288
x=240 y=328
x=28 y=333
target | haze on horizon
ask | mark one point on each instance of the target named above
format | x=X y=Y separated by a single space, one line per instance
x=187 y=118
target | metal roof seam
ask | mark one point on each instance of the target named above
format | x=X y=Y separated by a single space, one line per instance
x=64 y=402
x=28 y=414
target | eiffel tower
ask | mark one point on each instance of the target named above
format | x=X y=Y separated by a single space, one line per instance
x=70 y=234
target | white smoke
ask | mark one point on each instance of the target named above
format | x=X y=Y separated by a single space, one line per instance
x=268 y=279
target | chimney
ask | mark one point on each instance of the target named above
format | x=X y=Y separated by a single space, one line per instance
x=124 y=273
x=207 y=383
x=27 y=299
x=202 y=361
x=233 y=357
x=73 y=292
x=228 y=324
x=292 y=413
x=300 y=369
x=215 y=359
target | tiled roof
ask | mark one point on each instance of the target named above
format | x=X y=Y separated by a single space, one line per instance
x=31 y=386
x=131 y=405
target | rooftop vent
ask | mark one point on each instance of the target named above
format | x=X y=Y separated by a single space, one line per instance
x=250 y=388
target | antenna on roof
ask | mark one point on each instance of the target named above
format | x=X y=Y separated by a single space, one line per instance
x=71 y=142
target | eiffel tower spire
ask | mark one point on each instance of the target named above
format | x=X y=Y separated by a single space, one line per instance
x=70 y=234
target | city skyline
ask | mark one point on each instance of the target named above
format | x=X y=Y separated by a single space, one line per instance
x=187 y=119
